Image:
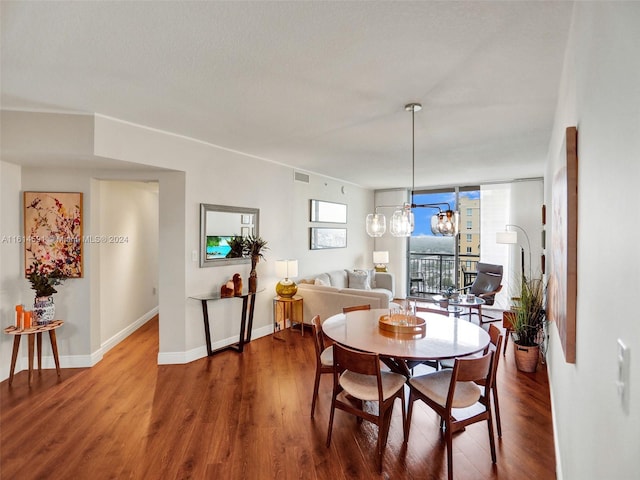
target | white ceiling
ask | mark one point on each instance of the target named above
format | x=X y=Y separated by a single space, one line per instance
x=320 y=86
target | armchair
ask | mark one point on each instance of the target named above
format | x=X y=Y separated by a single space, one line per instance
x=488 y=282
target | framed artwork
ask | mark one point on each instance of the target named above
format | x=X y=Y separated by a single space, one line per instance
x=563 y=287
x=321 y=238
x=53 y=232
x=327 y=212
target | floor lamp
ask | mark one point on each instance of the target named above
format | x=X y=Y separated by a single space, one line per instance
x=510 y=237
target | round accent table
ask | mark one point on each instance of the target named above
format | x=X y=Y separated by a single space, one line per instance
x=34 y=333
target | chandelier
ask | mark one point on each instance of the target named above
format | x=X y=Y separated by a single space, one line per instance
x=402 y=221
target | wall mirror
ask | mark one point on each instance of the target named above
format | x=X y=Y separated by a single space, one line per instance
x=218 y=224
x=329 y=212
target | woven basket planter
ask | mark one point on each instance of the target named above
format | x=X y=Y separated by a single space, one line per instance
x=526 y=358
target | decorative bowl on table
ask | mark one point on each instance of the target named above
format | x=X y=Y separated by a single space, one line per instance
x=402 y=323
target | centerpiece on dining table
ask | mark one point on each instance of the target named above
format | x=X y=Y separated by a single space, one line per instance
x=402 y=322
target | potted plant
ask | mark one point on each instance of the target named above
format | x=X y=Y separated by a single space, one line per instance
x=254 y=246
x=529 y=322
x=44 y=278
x=448 y=293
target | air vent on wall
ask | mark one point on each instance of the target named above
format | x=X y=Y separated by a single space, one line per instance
x=301 y=177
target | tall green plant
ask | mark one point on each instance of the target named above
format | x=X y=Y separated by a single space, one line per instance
x=530 y=317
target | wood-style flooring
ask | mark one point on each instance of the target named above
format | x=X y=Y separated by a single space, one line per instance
x=245 y=416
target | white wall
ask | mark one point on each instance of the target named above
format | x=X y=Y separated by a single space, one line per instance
x=597 y=436
x=11 y=259
x=128 y=221
x=206 y=174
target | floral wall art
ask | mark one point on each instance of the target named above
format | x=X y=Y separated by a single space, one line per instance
x=562 y=289
x=53 y=233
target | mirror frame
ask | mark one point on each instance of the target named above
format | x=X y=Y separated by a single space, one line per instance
x=206 y=208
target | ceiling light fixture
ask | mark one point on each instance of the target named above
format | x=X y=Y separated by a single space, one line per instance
x=402 y=221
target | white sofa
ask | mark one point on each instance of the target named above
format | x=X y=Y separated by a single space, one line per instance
x=327 y=293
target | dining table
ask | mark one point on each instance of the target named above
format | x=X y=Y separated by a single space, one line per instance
x=442 y=337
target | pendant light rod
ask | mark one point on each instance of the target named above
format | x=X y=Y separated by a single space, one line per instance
x=413 y=108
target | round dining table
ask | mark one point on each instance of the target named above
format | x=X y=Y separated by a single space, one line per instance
x=444 y=337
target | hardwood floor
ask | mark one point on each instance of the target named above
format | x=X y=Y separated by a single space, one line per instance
x=244 y=416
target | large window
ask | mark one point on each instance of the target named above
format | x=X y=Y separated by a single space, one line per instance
x=436 y=262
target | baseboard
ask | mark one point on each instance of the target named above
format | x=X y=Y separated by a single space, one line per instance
x=84 y=361
x=179 y=358
x=125 y=332
x=556 y=440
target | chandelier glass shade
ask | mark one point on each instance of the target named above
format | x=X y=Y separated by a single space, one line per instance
x=376 y=224
x=402 y=222
x=445 y=223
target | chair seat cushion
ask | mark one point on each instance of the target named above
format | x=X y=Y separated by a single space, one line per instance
x=365 y=387
x=436 y=387
x=326 y=357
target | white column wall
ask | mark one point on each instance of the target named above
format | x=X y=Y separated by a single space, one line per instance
x=596 y=433
x=11 y=259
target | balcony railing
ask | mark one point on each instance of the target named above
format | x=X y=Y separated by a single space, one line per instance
x=432 y=272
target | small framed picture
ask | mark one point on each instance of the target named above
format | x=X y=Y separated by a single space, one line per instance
x=246 y=220
x=244 y=231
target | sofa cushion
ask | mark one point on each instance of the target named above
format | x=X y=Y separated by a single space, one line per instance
x=323 y=280
x=359 y=279
x=338 y=278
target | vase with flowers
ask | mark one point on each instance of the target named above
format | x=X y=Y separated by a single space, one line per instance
x=44 y=278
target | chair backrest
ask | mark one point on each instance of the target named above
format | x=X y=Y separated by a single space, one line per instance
x=496 y=338
x=355 y=361
x=434 y=309
x=318 y=337
x=471 y=369
x=356 y=307
x=488 y=280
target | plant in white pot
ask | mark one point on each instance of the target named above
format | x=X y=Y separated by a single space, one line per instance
x=529 y=324
x=44 y=278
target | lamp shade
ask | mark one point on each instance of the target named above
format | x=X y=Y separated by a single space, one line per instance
x=286 y=268
x=381 y=257
x=509 y=237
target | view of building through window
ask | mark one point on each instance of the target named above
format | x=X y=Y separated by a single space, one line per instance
x=437 y=262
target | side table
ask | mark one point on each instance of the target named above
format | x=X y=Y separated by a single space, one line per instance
x=34 y=333
x=287 y=309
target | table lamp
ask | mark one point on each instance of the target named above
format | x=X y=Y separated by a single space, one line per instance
x=284 y=269
x=380 y=260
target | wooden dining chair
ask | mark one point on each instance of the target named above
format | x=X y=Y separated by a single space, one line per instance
x=357 y=378
x=355 y=308
x=495 y=344
x=324 y=358
x=450 y=389
x=497 y=338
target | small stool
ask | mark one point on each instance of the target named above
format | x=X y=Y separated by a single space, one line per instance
x=34 y=332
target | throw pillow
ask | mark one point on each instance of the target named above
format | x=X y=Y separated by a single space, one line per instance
x=359 y=279
x=323 y=279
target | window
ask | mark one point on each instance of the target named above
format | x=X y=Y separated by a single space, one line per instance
x=469 y=237
x=469 y=224
x=469 y=212
x=469 y=250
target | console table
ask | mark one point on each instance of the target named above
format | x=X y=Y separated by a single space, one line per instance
x=246 y=321
x=31 y=332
